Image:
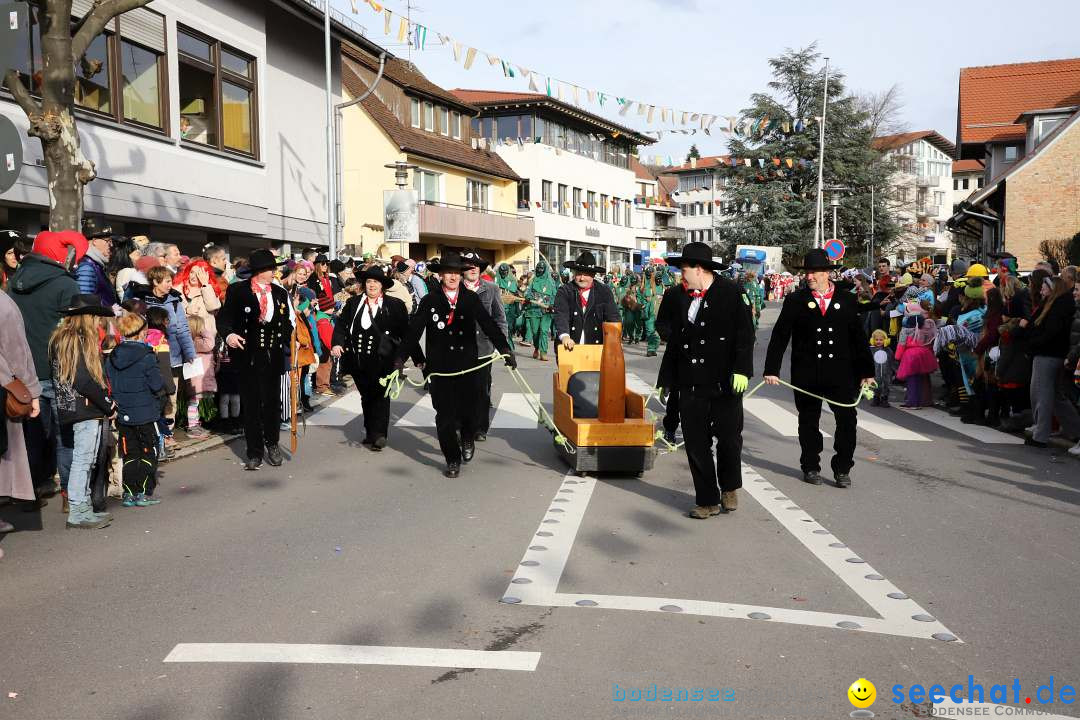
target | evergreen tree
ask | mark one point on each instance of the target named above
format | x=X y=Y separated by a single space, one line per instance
x=768 y=203
x=694 y=153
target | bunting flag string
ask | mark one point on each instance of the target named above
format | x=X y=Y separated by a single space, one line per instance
x=416 y=35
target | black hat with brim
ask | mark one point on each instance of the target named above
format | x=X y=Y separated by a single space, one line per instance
x=450 y=262
x=320 y=258
x=87 y=305
x=585 y=263
x=697 y=253
x=262 y=260
x=817 y=260
x=471 y=256
x=375 y=272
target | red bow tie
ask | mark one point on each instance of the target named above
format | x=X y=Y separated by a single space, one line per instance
x=696 y=293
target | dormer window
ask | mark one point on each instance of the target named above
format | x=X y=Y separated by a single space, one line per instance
x=429 y=117
x=1045 y=126
x=455 y=124
x=444 y=120
x=1012 y=152
x=415 y=112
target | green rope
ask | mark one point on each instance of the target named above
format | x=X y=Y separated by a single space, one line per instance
x=395 y=381
x=542 y=417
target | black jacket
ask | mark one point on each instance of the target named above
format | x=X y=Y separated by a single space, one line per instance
x=1050 y=338
x=326 y=302
x=667 y=314
x=83 y=400
x=239 y=314
x=701 y=356
x=136 y=382
x=41 y=287
x=570 y=319
x=827 y=351
x=362 y=347
x=451 y=347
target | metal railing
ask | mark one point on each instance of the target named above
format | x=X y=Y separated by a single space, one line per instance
x=467 y=208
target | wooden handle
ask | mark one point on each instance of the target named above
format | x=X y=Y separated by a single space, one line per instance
x=612 y=402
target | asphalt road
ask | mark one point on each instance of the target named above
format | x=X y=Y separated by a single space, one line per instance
x=360 y=552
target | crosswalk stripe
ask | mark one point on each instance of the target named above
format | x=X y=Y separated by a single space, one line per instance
x=782 y=421
x=421 y=414
x=884 y=429
x=975 y=432
x=636 y=384
x=337 y=413
x=515 y=412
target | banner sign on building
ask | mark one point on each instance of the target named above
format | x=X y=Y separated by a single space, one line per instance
x=401 y=217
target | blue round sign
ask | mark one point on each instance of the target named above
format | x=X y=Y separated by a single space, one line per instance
x=835 y=249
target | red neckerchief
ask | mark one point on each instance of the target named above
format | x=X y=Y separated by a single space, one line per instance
x=823 y=300
x=328 y=289
x=582 y=292
x=471 y=286
x=373 y=307
x=453 y=304
x=263 y=293
x=692 y=293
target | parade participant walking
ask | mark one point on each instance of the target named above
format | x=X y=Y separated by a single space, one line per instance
x=508 y=285
x=540 y=297
x=710 y=359
x=829 y=356
x=488 y=292
x=366 y=339
x=583 y=306
x=667 y=319
x=650 y=293
x=256 y=322
x=450 y=316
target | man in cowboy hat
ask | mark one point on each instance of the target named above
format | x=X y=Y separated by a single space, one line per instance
x=829 y=356
x=488 y=292
x=709 y=358
x=450 y=316
x=256 y=322
x=584 y=305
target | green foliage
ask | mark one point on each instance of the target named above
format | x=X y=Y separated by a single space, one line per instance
x=694 y=153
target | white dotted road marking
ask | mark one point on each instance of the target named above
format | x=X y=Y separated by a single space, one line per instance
x=353 y=655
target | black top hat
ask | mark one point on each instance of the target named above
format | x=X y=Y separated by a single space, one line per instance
x=375 y=272
x=86 y=305
x=585 y=263
x=697 y=253
x=261 y=260
x=471 y=256
x=93 y=228
x=451 y=262
x=817 y=260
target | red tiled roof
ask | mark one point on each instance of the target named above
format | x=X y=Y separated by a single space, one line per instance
x=419 y=142
x=891 y=142
x=406 y=75
x=964 y=166
x=668 y=184
x=702 y=163
x=483 y=98
x=640 y=171
x=991 y=97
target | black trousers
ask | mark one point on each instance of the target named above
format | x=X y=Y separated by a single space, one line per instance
x=703 y=420
x=483 y=400
x=810 y=439
x=260 y=402
x=454 y=400
x=138 y=453
x=375 y=404
x=671 y=414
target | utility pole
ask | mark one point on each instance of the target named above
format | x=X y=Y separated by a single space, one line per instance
x=331 y=177
x=870 y=256
x=819 y=217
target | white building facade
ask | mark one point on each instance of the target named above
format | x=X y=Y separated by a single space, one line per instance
x=700 y=197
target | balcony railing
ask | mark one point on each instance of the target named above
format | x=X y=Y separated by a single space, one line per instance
x=928 y=210
x=470 y=208
x=926 y=181
x=464 y=222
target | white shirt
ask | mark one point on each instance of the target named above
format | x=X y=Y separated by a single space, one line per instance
x=366 y=316
x=584 y=294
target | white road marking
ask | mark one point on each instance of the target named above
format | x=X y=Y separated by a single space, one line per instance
x=337 y=413
x=515 y=412
x=991 y=710
x=353 y=655
x=975 y=432
x=537 y=578
x=884 y=429
x=420 y=415
x=636 y=384
x=778 y=418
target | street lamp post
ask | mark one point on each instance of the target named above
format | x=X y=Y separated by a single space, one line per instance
x=401 y=179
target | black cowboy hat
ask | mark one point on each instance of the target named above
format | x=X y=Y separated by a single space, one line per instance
x=585 y=263
x=261 y=260
x=92 y=229
x=320 y=258
x=450 y=262
x=697 y=253
x=817 y=260
x=473 y=257
x=375 y=272
x=87 y=305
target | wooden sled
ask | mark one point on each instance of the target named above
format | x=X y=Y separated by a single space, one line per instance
x=602 y=420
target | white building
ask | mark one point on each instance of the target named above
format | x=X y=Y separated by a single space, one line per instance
x=700 y=197
x=206 y=121
x=574 y=166
x=655 y=216
x=920 y=195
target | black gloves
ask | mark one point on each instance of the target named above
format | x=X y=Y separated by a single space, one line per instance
x=510 y=360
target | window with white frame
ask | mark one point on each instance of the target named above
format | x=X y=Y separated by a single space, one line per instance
x=444 y=120
x=577 y=202
x=477 y=195
x=564 y=203
x=616 y=205
x=545 y=195
x=603 y=208
x=426 y=183
x=414 y=113
x=429 y=117
x=455 y=125
x=590 y=200
x=627 y=205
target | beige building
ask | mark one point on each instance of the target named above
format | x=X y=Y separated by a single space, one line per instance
x=467 y=194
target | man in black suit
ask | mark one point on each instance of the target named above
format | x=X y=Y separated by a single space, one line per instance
x=667 y=318
x=709 y=358
x=450 y=316
x=490 y=298
x=256 y=322
x=584 y=305
x=829 y=356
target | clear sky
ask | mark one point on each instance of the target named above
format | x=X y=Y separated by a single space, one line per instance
x=708 y=56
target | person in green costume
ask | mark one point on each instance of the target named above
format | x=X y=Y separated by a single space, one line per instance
x=649 y=294
x=508 y=283
x=541 y=297
x=629 y=317
x=752 y=291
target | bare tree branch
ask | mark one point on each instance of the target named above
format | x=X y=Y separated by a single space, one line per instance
x=95 y=21
x=21 y=94
x=883 y=110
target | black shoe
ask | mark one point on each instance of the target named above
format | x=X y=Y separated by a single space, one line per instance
x=274 y=456
x=307 y=406
x=1034 y=443
x=253 y=463
x=480 y=437
x=452 y=470
x=843 y=480
x=468 y=449
x=378 y=443
x=650 y=353
x=669 y=435
x=813 y=477
x=368 y=440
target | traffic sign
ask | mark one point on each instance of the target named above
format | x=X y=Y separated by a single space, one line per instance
x=11 y=154
x=835 y=248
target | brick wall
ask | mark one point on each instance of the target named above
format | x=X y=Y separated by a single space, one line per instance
x=1043 y=198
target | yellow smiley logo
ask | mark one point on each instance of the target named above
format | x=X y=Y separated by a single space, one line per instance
x=862 y=693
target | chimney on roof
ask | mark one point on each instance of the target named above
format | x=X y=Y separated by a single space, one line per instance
x=693 y=162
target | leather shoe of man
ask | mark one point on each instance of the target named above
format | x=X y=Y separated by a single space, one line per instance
x=452 y=470
x=468 y=449
x=813 y=477
x=274 y=456
x=378 y=443
x=701 y=512
x=843 y=480
x=253 y=463
x=543 y=357
x=729 y=500
x=480 y=437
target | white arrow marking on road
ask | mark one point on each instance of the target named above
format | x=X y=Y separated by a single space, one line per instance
x=975 y=432
x=782 y=421
x=515 y=412
x=354 y=655
x=421 y=414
